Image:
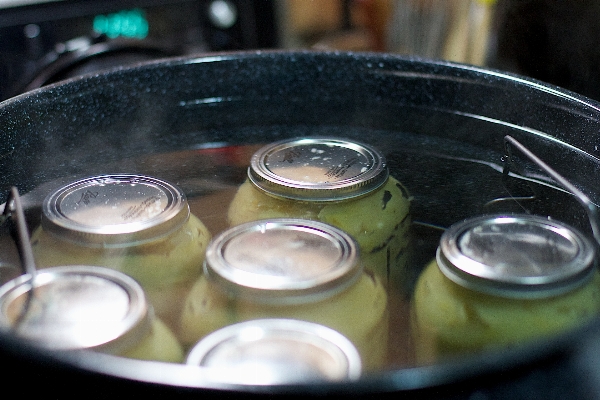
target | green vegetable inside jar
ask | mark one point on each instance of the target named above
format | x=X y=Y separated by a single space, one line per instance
x=336 y=181
x=136 y=224
x=86 y=308
x=502 y=280
x=289 y=268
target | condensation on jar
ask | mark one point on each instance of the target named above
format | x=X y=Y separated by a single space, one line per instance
x=502 y=280
x=136 y=224
x=276 y=352
x=336 y=181
x=289 y=268
x=86 y=308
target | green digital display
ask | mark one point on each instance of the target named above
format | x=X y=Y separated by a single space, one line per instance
x=126 y=23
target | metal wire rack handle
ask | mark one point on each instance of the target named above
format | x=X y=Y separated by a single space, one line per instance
x=585 y=201
x=13 y=210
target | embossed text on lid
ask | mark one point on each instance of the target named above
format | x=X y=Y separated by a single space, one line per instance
x=318 y=169
x=276 y=351
x=114 y=210
x=76 y=307
x=283 y=260
x=516 y=256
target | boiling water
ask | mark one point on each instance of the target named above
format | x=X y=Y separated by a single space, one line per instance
x=446 y=187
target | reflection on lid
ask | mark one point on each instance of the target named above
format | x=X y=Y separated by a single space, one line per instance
x=318 y=169
x=283 y=260
x=75 y=307
x=114 y=210
x=276 y=351
x=516 y=256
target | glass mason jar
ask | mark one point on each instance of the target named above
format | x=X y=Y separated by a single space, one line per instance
x=289 y=268
x=276 y=352
x=336 y=181
x=501 y=280
x=86 y=308
x=135 y=224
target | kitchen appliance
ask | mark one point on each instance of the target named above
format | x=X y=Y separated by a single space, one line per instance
x=45 y=41
x=196 y=120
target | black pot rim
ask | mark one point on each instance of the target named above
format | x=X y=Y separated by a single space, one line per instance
x=495 y=365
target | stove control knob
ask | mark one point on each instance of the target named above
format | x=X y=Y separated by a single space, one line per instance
x=222 y=14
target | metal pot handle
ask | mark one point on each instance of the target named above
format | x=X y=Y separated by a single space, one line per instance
x=584 y=200
x=14 y=214
x=583 y=362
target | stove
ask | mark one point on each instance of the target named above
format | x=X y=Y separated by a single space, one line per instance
x=45 y=41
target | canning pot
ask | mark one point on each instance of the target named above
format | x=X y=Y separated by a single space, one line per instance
x=196 y=121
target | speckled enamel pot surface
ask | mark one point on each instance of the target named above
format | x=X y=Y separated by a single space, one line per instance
x=441 y=127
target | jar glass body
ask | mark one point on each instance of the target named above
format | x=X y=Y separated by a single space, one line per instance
x=449 y=319
x=165 y=268
x=160 y=344
x=379 y=222
x=359 y=312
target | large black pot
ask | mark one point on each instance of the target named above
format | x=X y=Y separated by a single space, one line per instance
x=441 y=126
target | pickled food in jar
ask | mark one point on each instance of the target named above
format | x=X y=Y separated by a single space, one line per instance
x=86 y=308
x=276 y=351
x=499 y=281
x=168 y=260
x=452 y=320
x=139 y=225
x=338 y=182
x=360 y=313
x=289 y=268
x=160 y=344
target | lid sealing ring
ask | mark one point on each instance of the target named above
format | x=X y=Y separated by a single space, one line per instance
x=318 y=169
x=117 y=210
x=515 y=256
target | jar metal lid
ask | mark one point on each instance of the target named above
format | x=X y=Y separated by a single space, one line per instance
x=317 y=169
x=114 y=210
x=276 y=351
x=519 y=256
x=283 y=261
x=76 y=308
